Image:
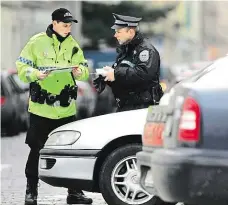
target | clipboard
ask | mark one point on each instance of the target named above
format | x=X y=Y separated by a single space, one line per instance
x=59 y=70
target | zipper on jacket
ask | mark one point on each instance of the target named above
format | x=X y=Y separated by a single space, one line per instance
x=55 y=53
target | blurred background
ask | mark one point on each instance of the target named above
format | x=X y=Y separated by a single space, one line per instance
x=188 y=34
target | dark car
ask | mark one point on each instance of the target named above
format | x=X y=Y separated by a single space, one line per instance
x=191 y=123
x=14 y=104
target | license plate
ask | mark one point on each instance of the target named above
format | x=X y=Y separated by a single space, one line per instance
x=149 y=179
x=153 y=134
x=156 y=122
x=43 y=163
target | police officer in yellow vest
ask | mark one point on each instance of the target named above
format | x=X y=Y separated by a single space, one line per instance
x=52 y=94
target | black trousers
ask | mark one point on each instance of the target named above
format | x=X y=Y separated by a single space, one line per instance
x=36 y=137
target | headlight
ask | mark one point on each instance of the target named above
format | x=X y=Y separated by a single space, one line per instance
x=63 y=138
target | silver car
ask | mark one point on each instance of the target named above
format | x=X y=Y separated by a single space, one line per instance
x=98 y=154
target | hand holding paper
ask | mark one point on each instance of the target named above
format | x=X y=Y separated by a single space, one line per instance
x=42 y=75
x=109 y=74
x=76 y=71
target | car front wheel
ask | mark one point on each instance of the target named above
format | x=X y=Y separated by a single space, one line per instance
x=119 y=179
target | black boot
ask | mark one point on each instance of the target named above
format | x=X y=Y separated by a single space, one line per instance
x=31 y=193
x=77 y=197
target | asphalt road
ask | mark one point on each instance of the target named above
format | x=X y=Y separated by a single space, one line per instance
x=14 y=154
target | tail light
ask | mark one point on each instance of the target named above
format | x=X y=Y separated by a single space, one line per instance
x=2 y=100
x=189 y=128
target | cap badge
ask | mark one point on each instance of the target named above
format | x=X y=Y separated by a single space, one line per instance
x=67 y=14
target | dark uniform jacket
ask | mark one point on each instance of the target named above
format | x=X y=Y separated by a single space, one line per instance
x=136 y=73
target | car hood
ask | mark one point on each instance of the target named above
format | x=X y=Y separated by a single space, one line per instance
x=96 y=132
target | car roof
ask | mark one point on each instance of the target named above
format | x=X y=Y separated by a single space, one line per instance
x=223 y=60
x=218 y=64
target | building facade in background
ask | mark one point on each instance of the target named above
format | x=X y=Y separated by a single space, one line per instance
x=194 y=31
x=20 y=20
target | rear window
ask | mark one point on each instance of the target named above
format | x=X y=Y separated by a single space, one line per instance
x=199 y=73
x=216 y=76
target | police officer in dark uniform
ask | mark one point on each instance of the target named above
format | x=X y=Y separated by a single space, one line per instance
x=134 y=77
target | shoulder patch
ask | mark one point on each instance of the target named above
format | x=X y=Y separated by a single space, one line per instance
x=144 y=55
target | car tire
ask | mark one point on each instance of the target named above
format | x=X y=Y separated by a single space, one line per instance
x=106 y=177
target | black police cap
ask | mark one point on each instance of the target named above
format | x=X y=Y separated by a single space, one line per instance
x=63 y=15
x=125 y=21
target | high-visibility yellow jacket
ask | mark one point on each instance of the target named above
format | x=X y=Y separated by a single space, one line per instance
x=45 y=51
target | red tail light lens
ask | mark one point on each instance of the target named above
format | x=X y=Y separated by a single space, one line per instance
x=2 y=100
x=189 y=128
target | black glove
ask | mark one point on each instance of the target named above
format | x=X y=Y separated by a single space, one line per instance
x=73 y=92
x=99 y=84
x=64 y=96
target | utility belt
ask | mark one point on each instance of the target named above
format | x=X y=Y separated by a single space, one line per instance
x=151 y=96
x=39 y=95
